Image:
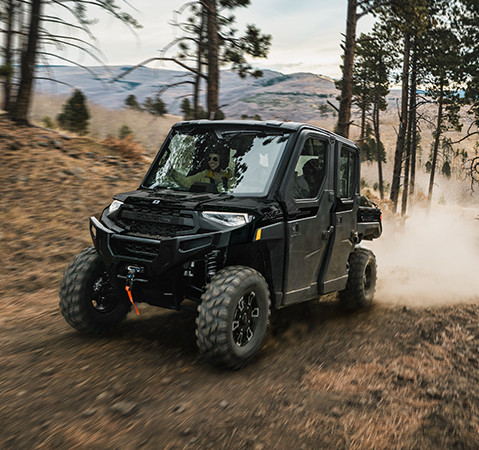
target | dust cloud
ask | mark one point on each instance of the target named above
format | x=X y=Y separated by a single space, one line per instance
x=432 y=259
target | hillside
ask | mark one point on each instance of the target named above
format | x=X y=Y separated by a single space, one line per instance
x=404 y=374
x=274 y=96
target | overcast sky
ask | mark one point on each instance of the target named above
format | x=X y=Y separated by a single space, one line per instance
x=306 y=33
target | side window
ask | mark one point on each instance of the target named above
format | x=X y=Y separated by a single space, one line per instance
x=347 y=173
x=310 y=169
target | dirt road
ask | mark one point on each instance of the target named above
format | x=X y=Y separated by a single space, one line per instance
x=388 y=377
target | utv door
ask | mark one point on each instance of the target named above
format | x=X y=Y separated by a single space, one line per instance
x=343 y=220
x=309 y=198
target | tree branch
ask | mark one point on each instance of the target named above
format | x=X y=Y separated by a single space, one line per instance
x=159 y=58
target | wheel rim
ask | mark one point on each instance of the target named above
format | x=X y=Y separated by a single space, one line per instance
x=245 y=319
x=367 y=278
x=102 y=298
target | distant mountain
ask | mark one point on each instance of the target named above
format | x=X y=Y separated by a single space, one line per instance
x=296 y=97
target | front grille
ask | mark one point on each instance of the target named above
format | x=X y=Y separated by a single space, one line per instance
x=156 y=221
x=135 y=249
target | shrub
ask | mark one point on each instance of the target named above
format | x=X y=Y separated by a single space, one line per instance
x=124 y=131
x=48 y=122
x=126 y=147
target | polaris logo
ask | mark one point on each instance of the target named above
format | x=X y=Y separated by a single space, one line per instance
x=156 y=202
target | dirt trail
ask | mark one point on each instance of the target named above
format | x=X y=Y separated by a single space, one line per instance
x=392 y=376
x=382 y=378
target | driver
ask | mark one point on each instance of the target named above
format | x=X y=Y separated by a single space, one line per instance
x=213 y=175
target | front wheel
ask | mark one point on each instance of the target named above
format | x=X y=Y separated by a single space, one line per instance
x=361 y=283
x=88 y=301
x=233 y=317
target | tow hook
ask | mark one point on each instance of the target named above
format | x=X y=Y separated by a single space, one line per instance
x=130 y=279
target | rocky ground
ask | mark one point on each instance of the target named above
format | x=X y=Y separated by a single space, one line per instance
x=389 y=377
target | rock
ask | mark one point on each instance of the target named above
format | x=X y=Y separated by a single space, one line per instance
x=55 y=143
x=179 y=408
x=186 y=432
x=42 y=144
x=336 y=412
x=14 y=145
x=103 y=395
x=124 y=408
x=49 y=371
x=224 y=404
x=89 y=412
x=166 y=380
x=433 y=393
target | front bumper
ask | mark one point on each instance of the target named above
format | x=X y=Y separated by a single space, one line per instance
x=156 y=256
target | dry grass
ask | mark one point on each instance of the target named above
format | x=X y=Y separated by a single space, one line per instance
x=48 y=195
x=126 y=147
x=150 y=131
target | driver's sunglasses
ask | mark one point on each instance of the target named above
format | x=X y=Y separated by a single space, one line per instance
x=213 y=158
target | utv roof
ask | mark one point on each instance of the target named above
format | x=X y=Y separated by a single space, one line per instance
x=271 y=124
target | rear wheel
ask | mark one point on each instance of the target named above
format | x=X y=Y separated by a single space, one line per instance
x=361 y=284
x=233 y=317
x=88 y=301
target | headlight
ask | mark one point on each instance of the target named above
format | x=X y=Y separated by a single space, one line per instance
x=115 y=206
x=228 y=219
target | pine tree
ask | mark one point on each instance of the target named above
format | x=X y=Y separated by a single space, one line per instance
x=75 y=114
x=186 y=109
x=132 y=103
x=155 y=106
x=372 y=73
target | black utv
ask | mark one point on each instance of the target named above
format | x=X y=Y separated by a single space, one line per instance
x=239 y=217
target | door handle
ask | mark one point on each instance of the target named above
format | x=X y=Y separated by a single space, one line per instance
x=325 y=234
x=294 y=229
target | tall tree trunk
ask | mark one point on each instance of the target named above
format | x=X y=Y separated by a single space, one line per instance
x=437 y=140
x=199 y=66
x=411 y=124
x=413 y=119
x=363 y=117
x=344 y=114
x=407 y=159
x=396 y=181
x=213 y=66
x=7 y=87
x=412 y=186
x=20 y=108
x=377 y=137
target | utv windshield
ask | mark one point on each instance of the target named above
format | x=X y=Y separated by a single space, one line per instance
x=240 y=162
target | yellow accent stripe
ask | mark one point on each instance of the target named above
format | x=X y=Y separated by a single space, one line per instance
x=258 y=234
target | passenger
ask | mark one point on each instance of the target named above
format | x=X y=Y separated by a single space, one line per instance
x=307 y=185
